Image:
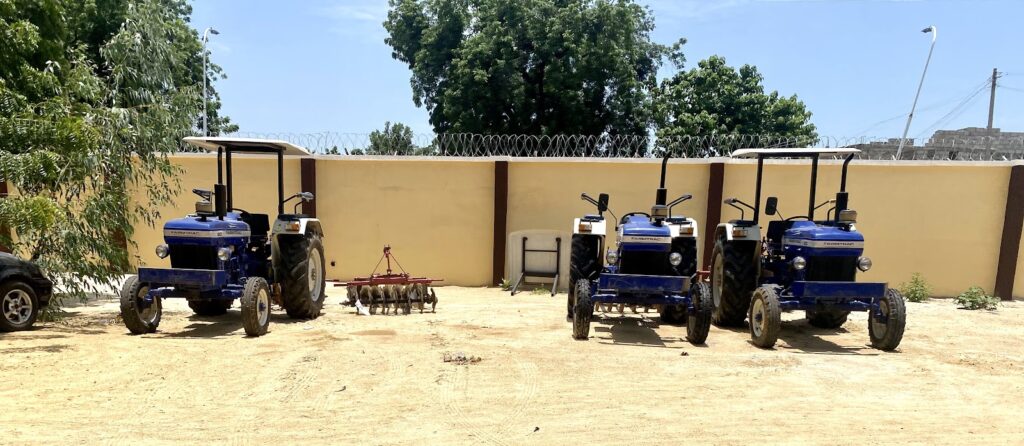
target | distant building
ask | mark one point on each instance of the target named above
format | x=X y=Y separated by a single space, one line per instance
x=971 y=143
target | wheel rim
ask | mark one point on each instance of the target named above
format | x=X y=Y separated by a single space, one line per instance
x=314 y=274
x=263 y=306
x=149 y=314
x=717 y=280
x=17 y=307
x=877 y=325
x=757 y=317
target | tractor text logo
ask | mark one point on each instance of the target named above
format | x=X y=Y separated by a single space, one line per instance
x=841 y=244
x=644 y=239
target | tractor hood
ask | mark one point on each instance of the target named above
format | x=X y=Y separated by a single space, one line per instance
x=640 y=234
x=806 y=239
x=194 y=230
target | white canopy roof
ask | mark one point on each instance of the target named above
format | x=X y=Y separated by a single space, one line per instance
x=753 y=153
x=211 y=143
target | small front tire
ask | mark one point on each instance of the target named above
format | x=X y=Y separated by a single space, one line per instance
x=886 y=333
x=765 y=317
x=255 y=306
x=698 y=322
x=583 y=311
x=139 y=316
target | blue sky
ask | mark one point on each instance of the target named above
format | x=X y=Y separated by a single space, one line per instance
x=322 y=65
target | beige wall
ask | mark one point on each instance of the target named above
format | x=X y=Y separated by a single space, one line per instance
x=942 y=219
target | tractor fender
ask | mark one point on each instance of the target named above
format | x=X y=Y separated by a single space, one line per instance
x=303 y=226
x=596 y=227
x=731 y=231
x=687 y=229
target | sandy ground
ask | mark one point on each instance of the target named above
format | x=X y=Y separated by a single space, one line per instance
x=347 y=379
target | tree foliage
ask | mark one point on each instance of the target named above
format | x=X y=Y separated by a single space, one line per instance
x=85 y=146
x=538 y=67
x=714 y=98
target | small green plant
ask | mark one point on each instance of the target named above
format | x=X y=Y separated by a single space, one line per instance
x=975 y=298
x=917 y=290
x=540 y=290
x=505 y=284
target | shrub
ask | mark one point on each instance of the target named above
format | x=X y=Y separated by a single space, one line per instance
x=917 y=290
x=506 y=284
x=975 y=298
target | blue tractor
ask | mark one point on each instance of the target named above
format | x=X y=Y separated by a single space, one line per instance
x=222 y=253
x=653 y=264
x=800 y=264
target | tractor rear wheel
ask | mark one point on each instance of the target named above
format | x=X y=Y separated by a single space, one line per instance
x=255 y=306
x=582 y=312
x=584 y=263
x=302 y=275
x=210 y=307
x=827 y=318
x=138 y=315
x=698 y=322
x=765 y=317
x=733 y=279
x=887 y=333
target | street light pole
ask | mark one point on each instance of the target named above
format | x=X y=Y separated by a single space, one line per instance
x=935 y=34
x=206 y=38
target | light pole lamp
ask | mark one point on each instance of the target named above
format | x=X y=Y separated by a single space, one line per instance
x=935 y=34
x=206 y=38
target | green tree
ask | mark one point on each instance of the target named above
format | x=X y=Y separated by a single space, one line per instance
x=85 y=153
x=393 y=140
x=716 y=99
x=532 y=66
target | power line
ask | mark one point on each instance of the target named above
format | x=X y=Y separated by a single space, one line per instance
x=958 y=110
x=1010 y=88
x=931 y=106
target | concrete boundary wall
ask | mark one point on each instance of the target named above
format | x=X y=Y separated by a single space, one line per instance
x=954 y=222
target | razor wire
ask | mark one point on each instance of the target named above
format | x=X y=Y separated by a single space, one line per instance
x=960 y=148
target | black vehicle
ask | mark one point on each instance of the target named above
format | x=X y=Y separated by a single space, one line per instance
x=23 y=291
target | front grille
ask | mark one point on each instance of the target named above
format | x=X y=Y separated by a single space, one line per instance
x=652 y=263
x=193 y=257
x=831 y=268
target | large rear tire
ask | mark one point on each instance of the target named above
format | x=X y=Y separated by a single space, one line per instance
x=210 y=307
x=582 y=312
x=139 y=316
x=255 y=306
x=584 y=263
x=302 y=275
x=827 y=318
x=733 y=279
x=765 y=317
x=698 y=323
x=887 y=334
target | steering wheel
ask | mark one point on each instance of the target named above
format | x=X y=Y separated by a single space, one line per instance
x=622 y=220
x=798 y=216
x=242 y=211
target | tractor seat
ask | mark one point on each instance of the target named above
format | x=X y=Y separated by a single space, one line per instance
x=259 y=224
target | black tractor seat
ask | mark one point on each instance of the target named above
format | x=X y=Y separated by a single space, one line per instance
x=259 y=224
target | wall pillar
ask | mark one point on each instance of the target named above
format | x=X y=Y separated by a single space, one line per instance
x=716 y=183
x=1013 y=221
x=500 y=216
x=308 y=174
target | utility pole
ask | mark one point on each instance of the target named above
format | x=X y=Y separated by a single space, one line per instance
x=991 y=109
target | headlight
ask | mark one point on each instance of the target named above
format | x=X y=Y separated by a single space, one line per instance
x=799 y=263
x=675 y=258
x=863 y=263
x=224 y=254
x=162 y=250
x=612 y=256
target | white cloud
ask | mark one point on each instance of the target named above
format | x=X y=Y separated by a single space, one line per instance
x=357 y=18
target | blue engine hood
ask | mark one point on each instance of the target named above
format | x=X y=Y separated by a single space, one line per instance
x=806 y=238
x=638 y=233
x=213 y=231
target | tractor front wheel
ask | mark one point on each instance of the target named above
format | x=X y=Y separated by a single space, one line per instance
x=765 y=317
x=138 y=315
x=255 y=306
x=302 y=275
x=584 y=263
x=698 y=322
x=673 y=314
x=886 y=328
x=583 y=311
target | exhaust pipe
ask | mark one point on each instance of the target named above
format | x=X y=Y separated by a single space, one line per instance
x=662 y=196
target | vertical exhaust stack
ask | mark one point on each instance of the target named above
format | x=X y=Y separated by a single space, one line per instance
x=843 y=197
x=662 y=197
